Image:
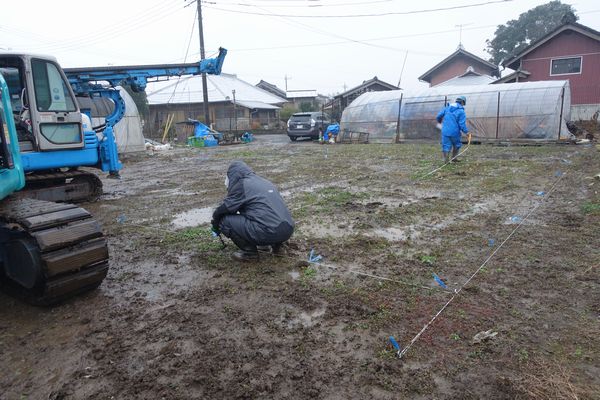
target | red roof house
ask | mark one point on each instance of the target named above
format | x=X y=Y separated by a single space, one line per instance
x=459 y=64
x=570 y=52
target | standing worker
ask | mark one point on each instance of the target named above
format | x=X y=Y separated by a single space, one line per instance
x=453 y=120
x=253 y=213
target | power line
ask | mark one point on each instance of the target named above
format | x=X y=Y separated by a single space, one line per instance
x=155 y=14
x=186 y=54
x=310 y=5
x=364 y=15
x=322 y=32
x=151 y=10
x=320 y=44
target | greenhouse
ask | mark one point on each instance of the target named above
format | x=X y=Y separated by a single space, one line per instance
x=508 y=111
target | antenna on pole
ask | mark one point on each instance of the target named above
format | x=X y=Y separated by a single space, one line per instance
x=460 y=26
x=402 y=70
x=286 y=79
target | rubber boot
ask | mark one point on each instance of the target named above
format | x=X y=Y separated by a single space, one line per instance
x=454 y=155
x=248 y=251
x=446 y=155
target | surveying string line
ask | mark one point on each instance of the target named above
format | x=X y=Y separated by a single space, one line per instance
x=457 y=292
x=446 y=163
x=356 y=272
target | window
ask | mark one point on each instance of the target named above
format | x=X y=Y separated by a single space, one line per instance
x=564 y=66
x=51 y=91
x=61 y=133
x=5 y=157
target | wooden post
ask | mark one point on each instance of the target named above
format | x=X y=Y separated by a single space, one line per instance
x=398 y=120
x=562 y=104
x=498 y=116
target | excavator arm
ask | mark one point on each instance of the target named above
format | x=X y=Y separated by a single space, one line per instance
x=85 y=80
x=88 y=81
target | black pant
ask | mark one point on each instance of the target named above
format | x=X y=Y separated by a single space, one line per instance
x=235 y=227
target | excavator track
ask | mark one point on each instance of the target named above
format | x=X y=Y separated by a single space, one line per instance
x=49 y=251
x=69 y=186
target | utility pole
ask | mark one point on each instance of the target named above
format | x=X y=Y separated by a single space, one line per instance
x=202 y=56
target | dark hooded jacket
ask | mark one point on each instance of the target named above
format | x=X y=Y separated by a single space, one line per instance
x=268 y=219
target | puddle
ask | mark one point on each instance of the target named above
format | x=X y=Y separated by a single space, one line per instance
x=392 y=234
x=294 y=274
x=302 y=189
x=325 y=231
x=308 y=319
x=194 y=217
x=171 y=192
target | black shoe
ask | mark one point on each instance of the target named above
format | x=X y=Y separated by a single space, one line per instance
x=263 y=249
x=277 y=248
x=245 y=255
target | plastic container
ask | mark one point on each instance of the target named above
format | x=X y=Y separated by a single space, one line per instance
x=195 y=141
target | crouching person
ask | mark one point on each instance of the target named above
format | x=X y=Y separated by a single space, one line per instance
x=253 y=213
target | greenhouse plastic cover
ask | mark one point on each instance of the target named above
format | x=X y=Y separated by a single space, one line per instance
x=128 y=131
x=527 y=110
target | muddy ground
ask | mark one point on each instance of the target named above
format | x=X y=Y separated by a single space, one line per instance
x=176 y=318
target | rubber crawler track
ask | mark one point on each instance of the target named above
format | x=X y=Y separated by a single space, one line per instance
x=72 y=248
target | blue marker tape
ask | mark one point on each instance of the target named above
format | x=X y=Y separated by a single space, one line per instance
x=558 y=173
x=540 y=193
x=491 y=242
x=515 y=218
x=312 y=258
x=395 y=344
x=121 y=218
x=439 y=281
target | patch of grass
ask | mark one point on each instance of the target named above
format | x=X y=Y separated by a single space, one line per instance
x=308 y=274
x=523 y=355
x=198 y=238
x=386 y=354
x=590 y=207
x=499 y=183
x=455 y=336
x=427 y=259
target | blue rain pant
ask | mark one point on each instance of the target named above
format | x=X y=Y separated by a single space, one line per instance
x=449 y=142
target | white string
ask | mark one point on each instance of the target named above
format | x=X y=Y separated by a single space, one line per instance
x=457 y=292
x=443 y=165
x=356 y=272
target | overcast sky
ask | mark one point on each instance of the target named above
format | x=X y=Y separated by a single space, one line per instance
x=326 y=54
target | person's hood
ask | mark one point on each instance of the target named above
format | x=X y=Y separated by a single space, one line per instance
x=455 y=106
x=237 y=170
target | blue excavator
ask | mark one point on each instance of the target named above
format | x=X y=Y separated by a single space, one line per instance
x=51 y=249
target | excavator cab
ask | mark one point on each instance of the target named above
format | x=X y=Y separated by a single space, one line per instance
x=46 y=114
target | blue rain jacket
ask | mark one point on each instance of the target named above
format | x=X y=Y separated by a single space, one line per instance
x=454 y=120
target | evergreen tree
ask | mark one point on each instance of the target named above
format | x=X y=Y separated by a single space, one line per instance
x=515 y=35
